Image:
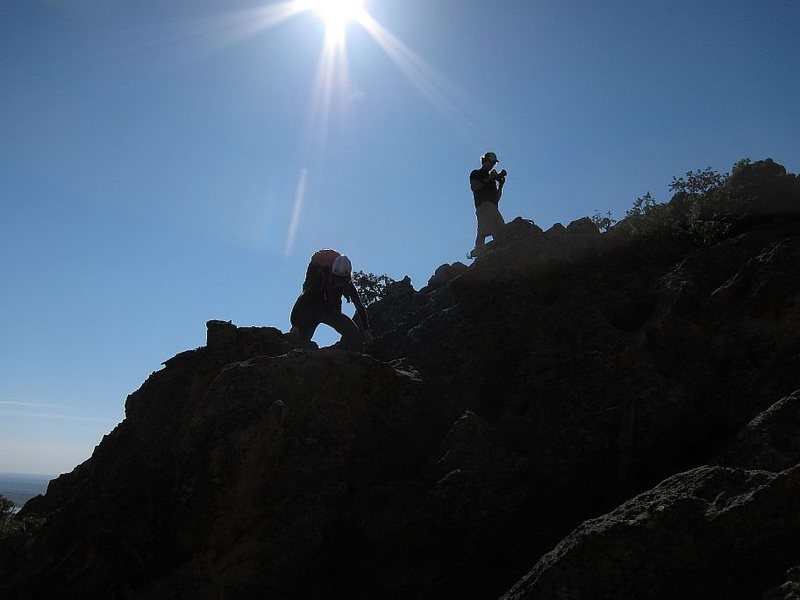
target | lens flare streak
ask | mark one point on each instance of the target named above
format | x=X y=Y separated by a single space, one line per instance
x=434 y=87
x=332 y=75
x=232 y=28
x=296 y=212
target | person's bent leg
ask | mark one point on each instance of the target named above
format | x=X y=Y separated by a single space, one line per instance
x=304 y=319
x=351 y=334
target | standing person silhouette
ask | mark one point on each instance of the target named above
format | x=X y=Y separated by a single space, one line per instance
x=487 y=189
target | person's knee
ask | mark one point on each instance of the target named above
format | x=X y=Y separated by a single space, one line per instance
x=300 y=337
x=351 y=338
x=300 y=333
x=351 y=335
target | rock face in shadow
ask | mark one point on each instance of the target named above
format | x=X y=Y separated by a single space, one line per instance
x=707 y=533
x=770 y=442
x=231 y=474
x=573 y=415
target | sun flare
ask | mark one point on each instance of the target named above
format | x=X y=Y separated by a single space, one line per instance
x=332 y=87
x=338 y=13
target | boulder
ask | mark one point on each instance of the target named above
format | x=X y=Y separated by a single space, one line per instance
x=583 y=226
x=443 y=275
x=738 y=525
x=770 y=442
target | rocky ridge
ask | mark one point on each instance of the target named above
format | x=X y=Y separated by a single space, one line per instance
x=575 y=415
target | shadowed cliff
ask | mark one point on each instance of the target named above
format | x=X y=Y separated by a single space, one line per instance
x=575 y=415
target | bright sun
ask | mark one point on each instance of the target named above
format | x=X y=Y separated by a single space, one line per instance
x=338 y=13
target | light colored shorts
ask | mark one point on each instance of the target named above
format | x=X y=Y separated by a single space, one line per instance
x=490 y=221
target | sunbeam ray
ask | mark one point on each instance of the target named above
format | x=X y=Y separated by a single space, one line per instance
x=441 y=93
x=231 y=28
x=296 y=212
x=332 y=76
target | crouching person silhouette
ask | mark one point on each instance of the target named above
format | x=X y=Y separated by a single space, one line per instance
x=328 y=279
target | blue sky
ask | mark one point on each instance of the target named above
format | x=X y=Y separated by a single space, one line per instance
x=167 y=163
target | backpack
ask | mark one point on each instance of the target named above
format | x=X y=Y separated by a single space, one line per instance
x=319 y=267
x=323 y=259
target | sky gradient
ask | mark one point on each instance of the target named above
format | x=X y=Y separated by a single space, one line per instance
x=167 y=163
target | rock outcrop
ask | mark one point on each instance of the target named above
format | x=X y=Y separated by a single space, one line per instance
x=574 y=415
x=712 y=532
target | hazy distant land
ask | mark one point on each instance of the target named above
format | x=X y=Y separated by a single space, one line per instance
x=21 y=487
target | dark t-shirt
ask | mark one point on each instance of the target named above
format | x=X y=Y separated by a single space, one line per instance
x=488 y=193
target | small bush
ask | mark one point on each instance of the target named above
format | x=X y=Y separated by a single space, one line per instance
x=603 y=222
x=699 y=183
x=6 y=507
x=371 y=287
x=13 y=528
x=9 y=526
x=708 y=206
x=649 y=218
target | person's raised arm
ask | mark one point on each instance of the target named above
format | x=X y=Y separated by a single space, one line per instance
x=352 y=292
